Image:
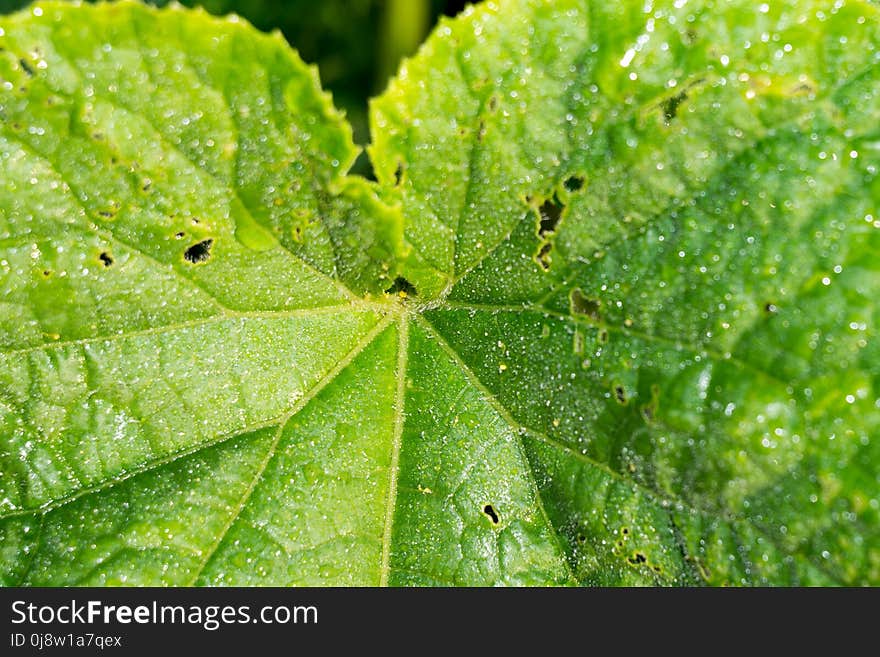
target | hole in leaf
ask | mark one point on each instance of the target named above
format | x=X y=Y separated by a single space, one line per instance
x=620 y=394
x=637 y=558
x=543 y=256
x=670 y=106
x=770 y=308
x=106 y=258
x=648 y=411
x=603 y=336
x=573 y=183
x=493 y=103
x=402 y=287
x=398 y=174
x=179 y=235
x=198 y=252
x=551 y=212
x=47 y=273
x=625 y=530
x=27 y=68
x=481 y=130
x=489 y=510
x=581 y=538
x=580 y=304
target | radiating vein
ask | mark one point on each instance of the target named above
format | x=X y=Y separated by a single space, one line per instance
x=105 y=484
x=301 y=403
x=206 y=321
x=229 y=186
x=394 y=467
x=651 y=338
x=105 y=234
x=515 y=427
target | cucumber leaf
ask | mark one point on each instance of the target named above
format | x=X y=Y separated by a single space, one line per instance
x=607 y=317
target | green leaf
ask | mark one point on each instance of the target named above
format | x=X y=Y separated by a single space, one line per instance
x=608 y=316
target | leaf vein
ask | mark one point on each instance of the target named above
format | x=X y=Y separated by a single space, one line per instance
x=301 y=403
x=515 y=427
x=394 y=467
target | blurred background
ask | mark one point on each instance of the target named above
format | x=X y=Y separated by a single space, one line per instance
x=357 y=44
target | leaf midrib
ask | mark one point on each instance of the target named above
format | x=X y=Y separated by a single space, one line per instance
x=226 y=315
x=301 y=404
x=663 y=498
x=385 y=310
x=397 y=438
x=393 y=313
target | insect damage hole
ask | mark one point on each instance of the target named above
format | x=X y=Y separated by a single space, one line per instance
x=481 y=130
x=543 y=255
x=402 y=287
x=106 y=259
x=489 y=510
x=26 y=67
x=581 y=304
x=549 y=216
x=198 y=252
x=573 y=183
x=550 y=213
x=670 y=106
x=110 y=211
